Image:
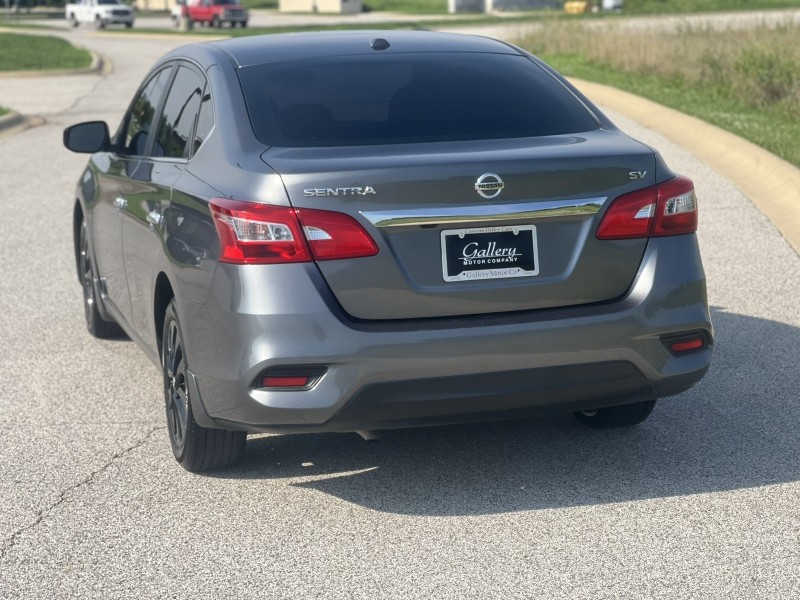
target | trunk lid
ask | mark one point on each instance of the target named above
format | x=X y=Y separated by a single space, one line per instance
x=527 y=245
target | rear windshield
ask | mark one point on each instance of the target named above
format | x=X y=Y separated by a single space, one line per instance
x=402 y=98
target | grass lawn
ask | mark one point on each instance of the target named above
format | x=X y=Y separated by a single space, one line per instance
x=652 y=7
x=407 y=6
x=19 y=52
x=747 y=82
x=4 y=111
x=772 y=128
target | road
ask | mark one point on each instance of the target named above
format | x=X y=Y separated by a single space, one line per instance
x=701 y=501
x=679 y=22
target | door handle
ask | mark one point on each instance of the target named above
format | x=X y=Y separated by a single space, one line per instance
x=154 y=218
x=120 y=202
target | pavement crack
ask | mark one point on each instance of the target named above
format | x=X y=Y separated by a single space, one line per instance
x=64 y=495
x=102 y=78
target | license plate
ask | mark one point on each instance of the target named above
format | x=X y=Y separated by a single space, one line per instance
x=489 y=253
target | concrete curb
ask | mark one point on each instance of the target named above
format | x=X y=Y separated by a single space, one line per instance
x=14 y=122
x=9 y=120
x=770 y=182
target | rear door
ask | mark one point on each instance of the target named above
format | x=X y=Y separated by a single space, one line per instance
x=121 y=183
x=144 y=217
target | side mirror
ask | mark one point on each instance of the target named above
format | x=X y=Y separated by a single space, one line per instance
x=87 y=137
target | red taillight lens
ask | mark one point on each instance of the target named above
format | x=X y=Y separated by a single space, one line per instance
x=669 y=208
x=677 y=208
x=252 y=233
x=333 y=235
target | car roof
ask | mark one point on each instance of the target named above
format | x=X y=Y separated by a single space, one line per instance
x=264 y=49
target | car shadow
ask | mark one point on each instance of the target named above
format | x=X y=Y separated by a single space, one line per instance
x=738 y=428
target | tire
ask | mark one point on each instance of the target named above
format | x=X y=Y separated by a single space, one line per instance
x=196 y=448
x=99 y=23
x=625 y=415
x=243 y=24
x=95 y=324
x=216 y=23
x=73 y=21
x=129 y=25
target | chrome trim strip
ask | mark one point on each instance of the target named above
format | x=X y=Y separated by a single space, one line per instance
x=481 y=214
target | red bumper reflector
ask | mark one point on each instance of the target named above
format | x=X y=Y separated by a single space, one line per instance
x=276 y=381
x=687 y=345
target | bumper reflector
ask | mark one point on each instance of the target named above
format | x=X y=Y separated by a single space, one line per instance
x=290 y=377
x=276 y=381
x=687 y=346
x=687 y=343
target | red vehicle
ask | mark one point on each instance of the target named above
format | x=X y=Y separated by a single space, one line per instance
x=215 y=13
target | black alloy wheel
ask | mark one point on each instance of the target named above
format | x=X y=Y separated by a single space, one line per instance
x=196 y=448
x=95 y=324
x=176 y=392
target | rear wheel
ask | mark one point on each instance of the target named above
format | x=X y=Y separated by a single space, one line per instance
x=72 y=20
x=216 y=23
x=196 y=448
x=616 y=416
x=96 y=324
x=99 y=23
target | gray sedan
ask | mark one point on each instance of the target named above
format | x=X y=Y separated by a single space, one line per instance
x=353 y=231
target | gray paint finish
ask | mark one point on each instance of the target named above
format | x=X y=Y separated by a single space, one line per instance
x=392 y=317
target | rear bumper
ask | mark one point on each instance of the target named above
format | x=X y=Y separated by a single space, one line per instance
x=397 y=374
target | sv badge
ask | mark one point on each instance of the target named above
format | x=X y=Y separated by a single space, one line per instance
x=634 y=175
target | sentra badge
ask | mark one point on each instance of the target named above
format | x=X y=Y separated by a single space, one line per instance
x=339 y=191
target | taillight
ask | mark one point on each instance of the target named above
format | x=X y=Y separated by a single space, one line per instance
x=334 y=235
x=669 y=208
x=252 y=233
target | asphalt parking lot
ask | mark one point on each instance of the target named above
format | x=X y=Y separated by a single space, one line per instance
x=701 y=501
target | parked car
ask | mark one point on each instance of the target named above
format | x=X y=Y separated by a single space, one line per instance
x=178 y=12
x=100 y=13
x=336 y=232
x=215 y=13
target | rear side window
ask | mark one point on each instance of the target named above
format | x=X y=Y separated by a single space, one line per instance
x=139 y=120
x=401 y=98
x=180 y=115
x=205 y=121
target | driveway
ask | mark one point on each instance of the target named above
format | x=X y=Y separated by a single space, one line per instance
x=703 y=500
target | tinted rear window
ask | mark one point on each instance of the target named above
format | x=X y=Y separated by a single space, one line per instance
x=386 y=99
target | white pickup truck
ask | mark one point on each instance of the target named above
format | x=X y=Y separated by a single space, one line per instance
x=100 y=13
